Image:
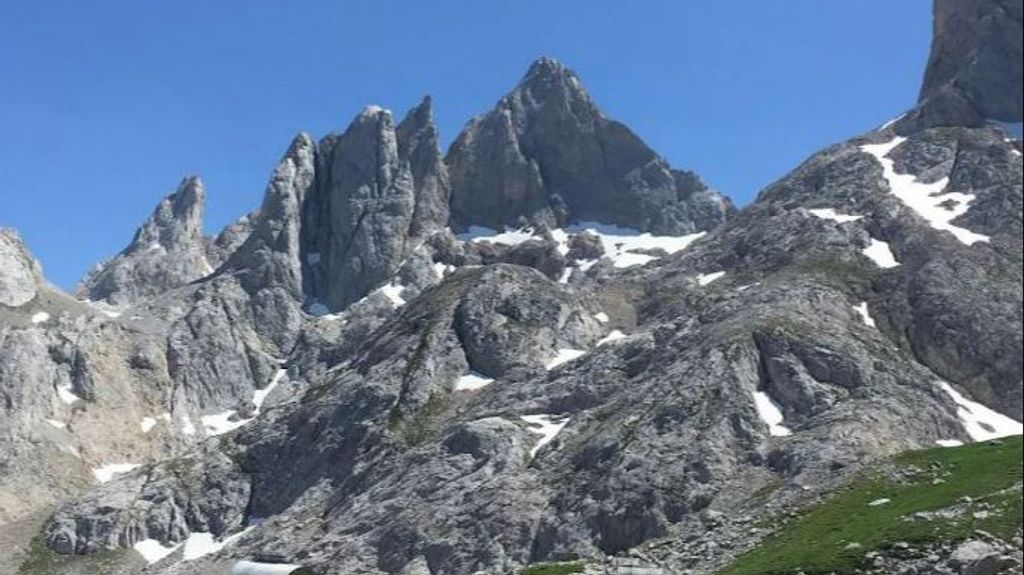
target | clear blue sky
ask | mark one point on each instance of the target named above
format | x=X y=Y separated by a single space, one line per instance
x=104 y=106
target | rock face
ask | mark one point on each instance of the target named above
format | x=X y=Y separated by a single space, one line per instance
x=974 y=71
x=167 y=251
x=546 y=153
x=19 y=272
x=380 y=190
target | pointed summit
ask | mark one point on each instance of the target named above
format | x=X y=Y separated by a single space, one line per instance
x=418 y=146
x=270 y=255
x=166 y=252
x=547 y=154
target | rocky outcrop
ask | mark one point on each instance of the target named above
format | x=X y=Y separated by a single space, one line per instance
x=20 y=274
x=546 y=153
x=220 y=247
x=380 y=190
x=974 y=70
x=167 y=252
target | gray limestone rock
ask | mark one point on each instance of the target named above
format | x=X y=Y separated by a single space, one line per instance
x=20 y=274
x=167 y=252
x=547 y=154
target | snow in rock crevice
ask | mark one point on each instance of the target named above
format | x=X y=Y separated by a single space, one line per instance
x=152 y=550
x=109 y=471
x=257 y=568
x=221 y=423
x=472 y=380
x=862 y=311
x=545 y=425
x=564 y=356
x=879 y=252
x=771 y=414
x=613 y=335
x=705 y=279
x=927 y=200
x=980 y=422
x=830 y=214
x=65 y=393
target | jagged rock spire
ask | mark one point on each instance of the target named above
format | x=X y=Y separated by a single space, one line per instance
x=547 y=153
x=167 y=251
x=271 y=254
x=418 y=146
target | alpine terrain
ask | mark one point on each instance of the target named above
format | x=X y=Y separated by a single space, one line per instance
x=545 y=351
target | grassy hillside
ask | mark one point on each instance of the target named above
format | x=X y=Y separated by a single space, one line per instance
x=977 y=486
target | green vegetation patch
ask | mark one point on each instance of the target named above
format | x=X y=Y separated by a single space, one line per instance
x=554 y=568
x=41 y=560
x=920 y=497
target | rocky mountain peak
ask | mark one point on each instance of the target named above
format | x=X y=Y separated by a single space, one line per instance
x=177 y=221
x=20 y=274
x=166 y=251
x=546 y=154
x=974 y=69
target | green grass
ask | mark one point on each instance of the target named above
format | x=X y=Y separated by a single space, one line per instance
x=989 y=473
x=41 y=560
x=554 y=568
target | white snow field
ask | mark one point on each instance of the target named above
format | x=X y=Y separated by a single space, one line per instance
x=862 y=311
x=770 y=414
x=937 y=208
x=109 y=471
x=830 y=214
x=879 y=252
x=472 y=380
x=980 y=422
x=545 y=425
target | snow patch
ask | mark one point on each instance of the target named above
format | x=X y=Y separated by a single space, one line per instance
x=980 y=422
x=601 y=317
x=563 y=356
x=109 y=471
x=254 y=568
x=221 y=423
x=878 y=502
x=509 y=237
x=618 y=242
x=40 y=317
x=186 y=426
x=152 y=550
x=862 y=311
x=771 y=414
x=394 y=293
x=66 y=395
x=472 y=380
x=937 y=208
x=879 y=252
x=948 y=442
x=614 y=335
x=57 y=424
x=705 y=279
x=547 y=426
x=147 y=424
x=830 y=214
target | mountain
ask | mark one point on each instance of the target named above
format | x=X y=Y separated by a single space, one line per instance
x=546 y=153
x=546 y=351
